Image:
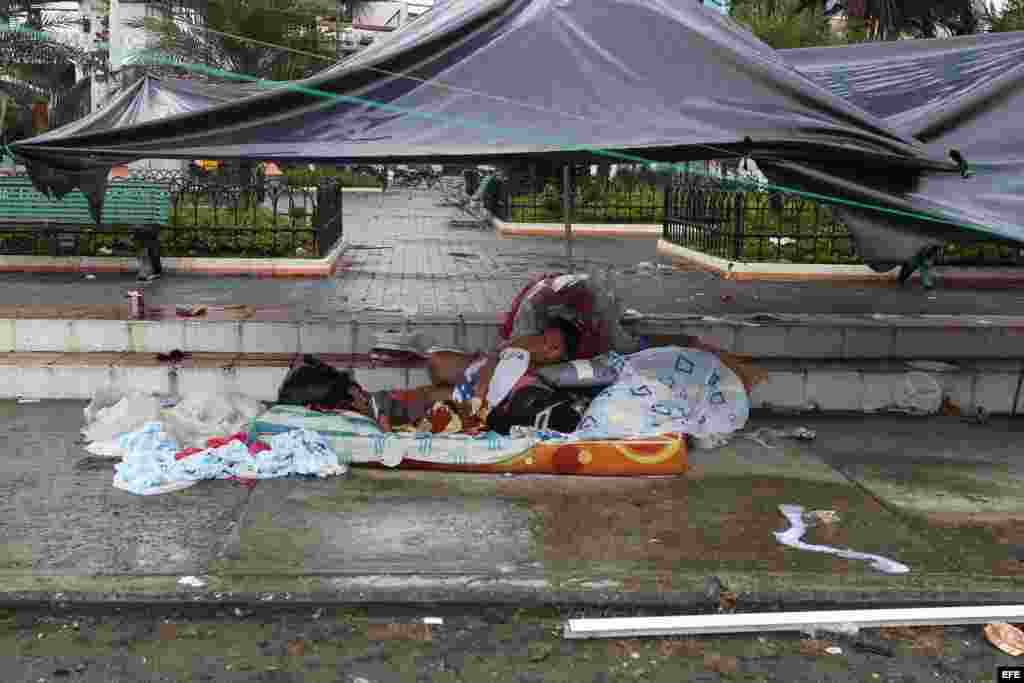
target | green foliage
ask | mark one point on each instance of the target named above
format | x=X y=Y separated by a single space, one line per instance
x=208 y=232
x=1010 y=19
x=779 y=23
x=264 y=28
x=306 y=177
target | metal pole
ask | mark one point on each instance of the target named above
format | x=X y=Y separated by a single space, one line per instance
x=738 y=207
x=567 y=210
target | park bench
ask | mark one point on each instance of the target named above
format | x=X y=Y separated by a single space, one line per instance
x=135 y=208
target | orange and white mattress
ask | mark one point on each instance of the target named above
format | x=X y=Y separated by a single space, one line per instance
x=358 y=440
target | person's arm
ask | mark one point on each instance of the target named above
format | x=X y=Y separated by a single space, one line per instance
x=486 y=375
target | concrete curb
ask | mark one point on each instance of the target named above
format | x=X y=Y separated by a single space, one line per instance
x=283 y=267
x=280 y=591
x=557 y=230
x=944 y=277
x=781 y=272
x=762 y=336
x=793 y=386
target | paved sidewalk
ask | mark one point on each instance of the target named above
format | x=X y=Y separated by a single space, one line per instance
x=938 y=495
x=404 y=257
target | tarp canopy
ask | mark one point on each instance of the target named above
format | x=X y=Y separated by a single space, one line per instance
x=495 y=79
x=503 y=81
x=152 y=98
x=964 y=94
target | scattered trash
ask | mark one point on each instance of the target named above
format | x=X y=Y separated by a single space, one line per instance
x=728 y=298
x=815 y=517
x=90 y=276
x=921 y=394
x=186 y=311
x=834 y=650
x=949 y=408
x=319 y=612
x=802 y=433
x=136 y=304
x=1006 y=637
x=931 y=366
x=711 y=441
x=191 y=582
x=434 y=621
x=980 y=416
x=175 y=356
x=846 y=630
x=792 y=536
x=760 y=436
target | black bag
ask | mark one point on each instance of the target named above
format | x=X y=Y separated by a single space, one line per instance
x=538 y=406
x=314 y=382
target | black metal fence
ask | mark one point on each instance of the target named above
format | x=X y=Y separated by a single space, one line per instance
x=721 y=217
x=630 y=195
x=208 y=215
x=718 y=218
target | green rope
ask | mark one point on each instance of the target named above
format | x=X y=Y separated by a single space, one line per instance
x=158 y=58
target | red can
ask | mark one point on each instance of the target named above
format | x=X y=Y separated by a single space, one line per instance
x=136 y=305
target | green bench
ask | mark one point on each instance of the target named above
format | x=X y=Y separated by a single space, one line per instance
x=136 y=208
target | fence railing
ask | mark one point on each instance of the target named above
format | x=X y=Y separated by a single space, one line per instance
x=722 y=218
x=215 y=215
x=628 y=197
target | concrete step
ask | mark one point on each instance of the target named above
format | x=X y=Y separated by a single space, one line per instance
x=762 y=337
x=793 y=385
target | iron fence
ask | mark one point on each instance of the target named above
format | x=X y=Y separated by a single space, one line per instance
x=209 y=215
x=718 y=216
x=630 y=195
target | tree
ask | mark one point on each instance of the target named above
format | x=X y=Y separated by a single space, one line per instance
x=785 y=23
x=239 y=36
x=893 y=19
x=1010 y=19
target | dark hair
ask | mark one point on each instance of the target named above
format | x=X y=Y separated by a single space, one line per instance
x=570 y=333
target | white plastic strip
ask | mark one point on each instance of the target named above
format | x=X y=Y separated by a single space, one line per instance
x=792 y=536
x=630 y=627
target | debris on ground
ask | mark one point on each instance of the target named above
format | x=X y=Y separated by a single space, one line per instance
x=834 y=650
x=175 y=356
x=950 y=408
x=191 y=582
x=980 y=416
x=763 y=435
x=815 y=517
x=1006 y=637
x=793 y=535
x=187 y=311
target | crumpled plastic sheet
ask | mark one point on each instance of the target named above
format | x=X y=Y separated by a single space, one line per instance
x=190 y=421
x=149 y=466
x=792 y=536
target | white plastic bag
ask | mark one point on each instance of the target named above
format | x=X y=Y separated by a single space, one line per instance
x=198 y=417
x=921 y=394
x=127 y=415
x=106 y=397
